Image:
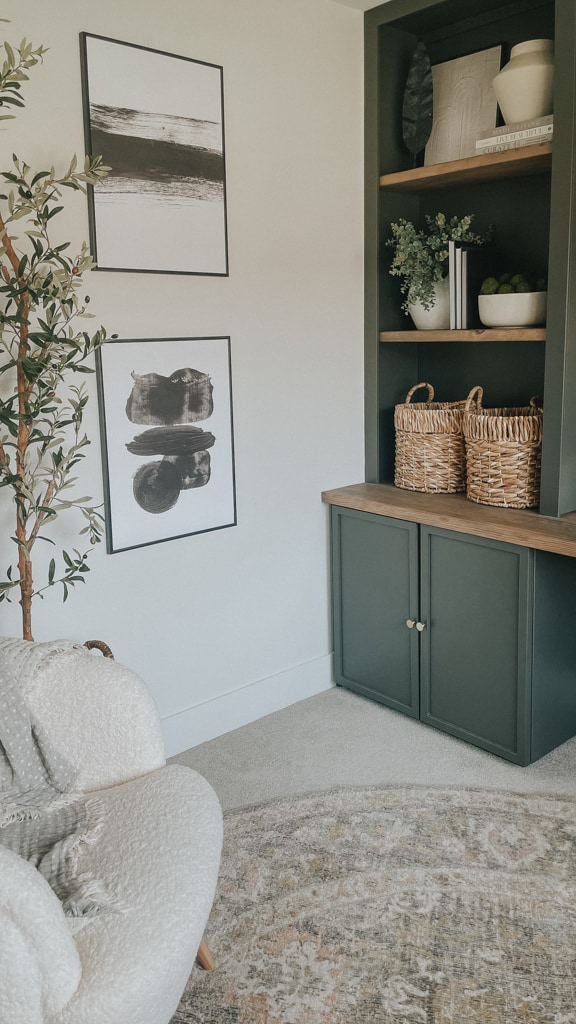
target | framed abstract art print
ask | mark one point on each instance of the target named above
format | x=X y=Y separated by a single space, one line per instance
x=157 y=120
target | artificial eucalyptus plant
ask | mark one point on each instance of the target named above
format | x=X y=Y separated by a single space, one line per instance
x=421 y=253
x=42 y=348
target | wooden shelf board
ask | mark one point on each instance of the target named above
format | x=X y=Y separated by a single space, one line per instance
x=455 y=512
x=479 y=334
x=510 y=163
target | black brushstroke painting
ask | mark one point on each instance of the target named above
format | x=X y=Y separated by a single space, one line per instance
x=175 y=402
x=173 y=157
x=194 y=469
x=157 y=485
x=184 y=440
x=157 y=121
x=175 y=478
x=183 y=397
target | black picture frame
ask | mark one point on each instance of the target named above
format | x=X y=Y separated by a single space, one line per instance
x=167 y=438
x=157 y=119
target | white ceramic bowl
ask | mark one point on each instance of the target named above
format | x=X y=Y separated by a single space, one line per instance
x=518 y=309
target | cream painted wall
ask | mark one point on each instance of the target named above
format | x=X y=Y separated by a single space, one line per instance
x=361 y=5
x=230 y=625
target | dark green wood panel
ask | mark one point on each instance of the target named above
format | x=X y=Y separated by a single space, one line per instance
x=558 y=493
x=375 y=574
x=455 y=369
x=475 y=657
x=401 y=372
x=518 y=212
x=443 y=18
x=385 y=65
x=554 y=673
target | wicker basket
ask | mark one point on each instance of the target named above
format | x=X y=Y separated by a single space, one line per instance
x=503 y=453
x=430 y=453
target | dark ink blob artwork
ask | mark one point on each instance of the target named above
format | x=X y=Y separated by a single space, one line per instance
x=174 y=403
x=157 y=485
x=183 y=397
x=171 y=441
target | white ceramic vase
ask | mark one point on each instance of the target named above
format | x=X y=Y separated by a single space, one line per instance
x=524 y=87
x=437 y=318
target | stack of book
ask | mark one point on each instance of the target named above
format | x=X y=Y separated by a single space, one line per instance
x=512 y=136
x=468 y=265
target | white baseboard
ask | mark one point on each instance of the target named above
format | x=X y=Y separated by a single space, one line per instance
x=215 y=717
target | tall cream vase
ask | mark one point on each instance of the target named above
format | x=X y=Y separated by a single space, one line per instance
x=524 y=87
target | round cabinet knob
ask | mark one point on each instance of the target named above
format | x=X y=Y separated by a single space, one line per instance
x=410 y=623
x=420 y=626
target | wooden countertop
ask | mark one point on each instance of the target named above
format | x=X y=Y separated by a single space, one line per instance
x=455 y=512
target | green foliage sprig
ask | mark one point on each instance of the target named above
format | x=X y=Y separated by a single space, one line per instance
x=421 y=254
x=41 y=344
x=13 y=73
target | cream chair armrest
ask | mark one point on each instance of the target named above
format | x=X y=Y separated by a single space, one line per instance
x=99 y=715
x=39 y=964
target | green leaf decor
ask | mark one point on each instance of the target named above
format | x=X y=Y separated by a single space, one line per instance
x=417 y=107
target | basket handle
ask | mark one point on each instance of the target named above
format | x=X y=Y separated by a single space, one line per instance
x=417 y=388
x=536 y=402
x=476 y=393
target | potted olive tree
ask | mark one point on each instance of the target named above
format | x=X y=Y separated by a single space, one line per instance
x=44 y=353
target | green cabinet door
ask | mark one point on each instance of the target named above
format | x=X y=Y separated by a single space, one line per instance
x=477 y=601
x=375 y=580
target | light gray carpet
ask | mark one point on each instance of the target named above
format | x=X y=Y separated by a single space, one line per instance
x=340 y=739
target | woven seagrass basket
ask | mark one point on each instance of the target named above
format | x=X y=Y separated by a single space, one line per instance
x=430 y=454
x=503 y=453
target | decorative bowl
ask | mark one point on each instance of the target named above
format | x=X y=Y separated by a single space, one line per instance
x=517 y=309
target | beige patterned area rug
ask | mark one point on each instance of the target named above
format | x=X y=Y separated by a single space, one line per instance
x=394 y=904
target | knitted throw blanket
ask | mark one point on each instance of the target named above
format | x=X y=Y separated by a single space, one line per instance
x=42 y=818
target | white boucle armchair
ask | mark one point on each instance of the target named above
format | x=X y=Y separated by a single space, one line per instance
x=157 y=852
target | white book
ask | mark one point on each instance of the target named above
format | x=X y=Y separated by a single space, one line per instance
x=529 y=134
x=499 y=147
x=517 y=126
x=459 y=286
x=452 y=283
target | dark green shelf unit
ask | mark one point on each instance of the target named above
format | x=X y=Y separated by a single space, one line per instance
x=533 y=215
x=454 y=613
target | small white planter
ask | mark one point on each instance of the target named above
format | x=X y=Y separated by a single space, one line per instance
x=519 y=309
x=438 y=317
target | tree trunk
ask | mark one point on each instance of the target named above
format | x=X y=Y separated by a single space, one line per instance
x=26 y=591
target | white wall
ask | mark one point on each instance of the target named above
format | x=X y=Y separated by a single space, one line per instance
x=230 y=625
x=361 y=5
